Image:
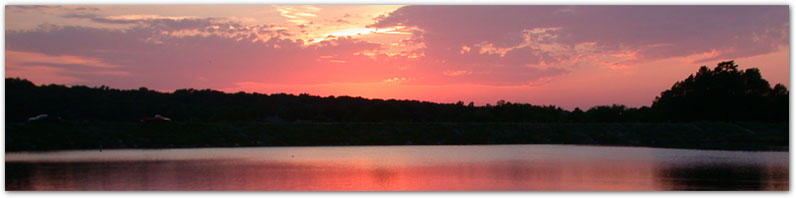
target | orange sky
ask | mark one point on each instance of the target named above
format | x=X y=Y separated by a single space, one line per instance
x=569 y=56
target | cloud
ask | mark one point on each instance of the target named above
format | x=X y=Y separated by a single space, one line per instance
x=49 y=8
x=27 y=58
x=32 y=7
x=57 y=69
x=174 y=53
x=126 y=19
x=299 y=15
x=558 y=34
x=456 y=73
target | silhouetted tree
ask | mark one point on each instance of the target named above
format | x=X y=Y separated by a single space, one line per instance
x=723 y=94
x=577 y=115
x=613 y=113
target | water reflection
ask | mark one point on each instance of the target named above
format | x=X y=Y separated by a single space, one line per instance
x=723 y=177
x=514 y=167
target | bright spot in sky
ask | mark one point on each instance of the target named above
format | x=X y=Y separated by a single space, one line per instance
x=359 y=32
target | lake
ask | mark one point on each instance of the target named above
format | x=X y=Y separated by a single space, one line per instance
x=397 y=168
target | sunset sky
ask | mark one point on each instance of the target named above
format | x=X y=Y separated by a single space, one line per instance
x=568 y=56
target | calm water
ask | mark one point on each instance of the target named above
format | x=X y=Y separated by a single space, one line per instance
x=500 y=167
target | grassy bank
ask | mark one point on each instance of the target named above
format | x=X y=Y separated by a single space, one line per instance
x=108 y=135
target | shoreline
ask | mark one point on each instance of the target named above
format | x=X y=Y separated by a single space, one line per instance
x=68 y=136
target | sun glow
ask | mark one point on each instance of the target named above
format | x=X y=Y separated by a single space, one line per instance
x=359 y=32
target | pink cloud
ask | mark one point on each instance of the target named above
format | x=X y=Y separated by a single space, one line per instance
x=551 y=34
x=177 y=61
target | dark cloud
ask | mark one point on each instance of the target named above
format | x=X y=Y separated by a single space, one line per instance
x=45 y=8
x=32 y=7
x=341 y=21
x=162 y=23
x=87 y=9
x=59 y=65
x=96 y=18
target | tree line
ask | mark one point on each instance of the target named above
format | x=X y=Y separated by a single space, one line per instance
x=724 y=93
